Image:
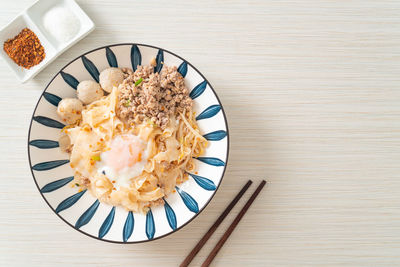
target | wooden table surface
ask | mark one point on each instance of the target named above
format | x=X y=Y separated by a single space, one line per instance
x=312 y=94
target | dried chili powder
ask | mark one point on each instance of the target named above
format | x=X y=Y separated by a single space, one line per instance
x=25 y=49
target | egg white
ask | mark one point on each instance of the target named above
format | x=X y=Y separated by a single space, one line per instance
x=123 y=176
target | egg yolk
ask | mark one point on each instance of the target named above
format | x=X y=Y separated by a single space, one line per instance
x=126 y=151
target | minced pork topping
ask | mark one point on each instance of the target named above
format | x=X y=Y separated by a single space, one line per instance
x=145 y=95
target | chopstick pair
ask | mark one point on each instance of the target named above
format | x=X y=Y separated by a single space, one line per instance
x=229 y=231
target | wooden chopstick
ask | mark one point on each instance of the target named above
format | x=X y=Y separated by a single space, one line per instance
x=212 y=229
x=232 y=227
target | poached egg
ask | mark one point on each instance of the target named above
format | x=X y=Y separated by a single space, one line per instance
x=124 y=160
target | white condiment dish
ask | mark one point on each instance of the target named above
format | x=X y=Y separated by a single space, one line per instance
x=32 y=18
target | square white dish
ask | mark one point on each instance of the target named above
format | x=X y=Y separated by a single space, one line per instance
x=32 y=18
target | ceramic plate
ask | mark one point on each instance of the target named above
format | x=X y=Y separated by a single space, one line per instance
x=53 y=175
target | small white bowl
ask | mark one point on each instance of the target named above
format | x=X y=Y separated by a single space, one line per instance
x=32 y=18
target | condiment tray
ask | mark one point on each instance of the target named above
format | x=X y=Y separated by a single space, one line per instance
x=32 y=18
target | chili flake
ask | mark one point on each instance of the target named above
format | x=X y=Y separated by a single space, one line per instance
x=25 y=49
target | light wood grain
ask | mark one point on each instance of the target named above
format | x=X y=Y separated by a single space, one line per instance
x=311 y=91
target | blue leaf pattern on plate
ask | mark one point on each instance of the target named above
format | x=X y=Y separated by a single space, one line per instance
x=209 y=112
x=160 y=61
x=50 y=187
x=205 y=183
x=105 y=227
x=182 y=69
x=91 y=68
x=111 y=217
x=48 y=165
x=52 y=99
x=136 y=57
x=171 y=217
x=128 y=227
x=215 y=136
x=189 y=201
x=112 y=60
x=198 y=90
x=48 y=122
x=44 y=144
x=87 y=215
x=150 y=227
x=68 y=202
x=211 y=161
x=69 y=79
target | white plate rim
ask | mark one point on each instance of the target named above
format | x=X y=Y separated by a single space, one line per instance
x=200 y=210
